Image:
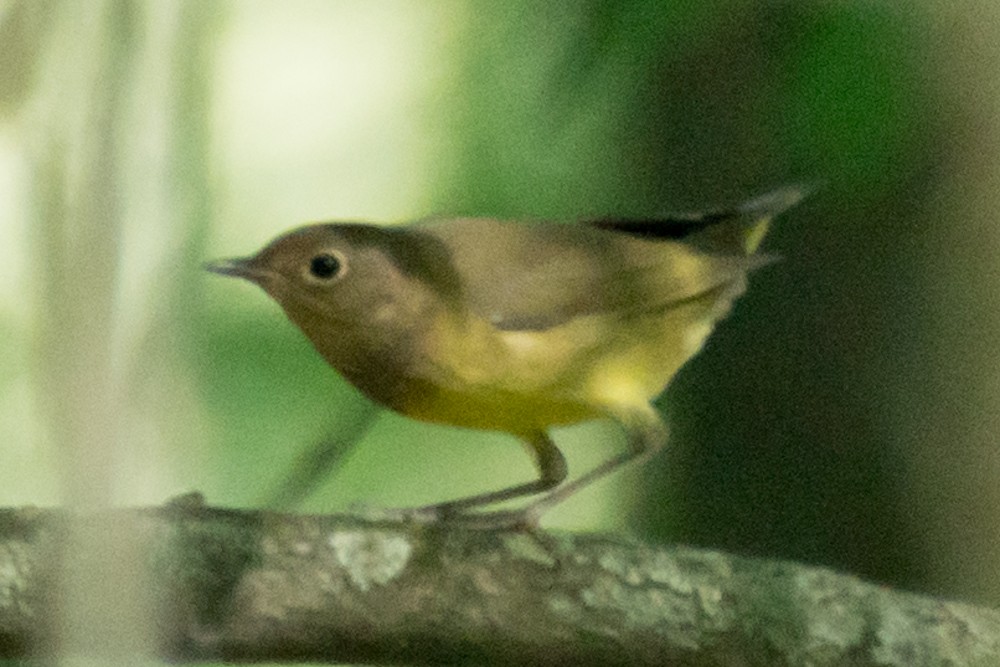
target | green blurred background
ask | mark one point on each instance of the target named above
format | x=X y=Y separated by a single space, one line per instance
x=846 y=413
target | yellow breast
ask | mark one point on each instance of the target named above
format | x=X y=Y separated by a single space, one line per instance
x=476 y=376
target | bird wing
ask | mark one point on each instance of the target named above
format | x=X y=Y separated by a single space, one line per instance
x=534 y=276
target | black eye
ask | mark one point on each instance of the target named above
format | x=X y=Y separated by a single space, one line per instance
x=324 y=266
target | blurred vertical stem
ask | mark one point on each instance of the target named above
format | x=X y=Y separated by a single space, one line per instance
x=176 y=209
x=190 y=181
x=950 y=415
x=79 y=232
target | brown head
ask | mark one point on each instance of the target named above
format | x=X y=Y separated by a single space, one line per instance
x=357 y=291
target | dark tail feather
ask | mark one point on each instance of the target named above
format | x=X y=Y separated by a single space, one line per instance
x=737 y=229
x=776 y=201
x=756 y=215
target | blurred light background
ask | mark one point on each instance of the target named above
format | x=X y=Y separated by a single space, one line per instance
x=846 y=414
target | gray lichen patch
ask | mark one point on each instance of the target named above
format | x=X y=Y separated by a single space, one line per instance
x=945 y=633
x=832 y=622
x=14 y=572
x=371 y=557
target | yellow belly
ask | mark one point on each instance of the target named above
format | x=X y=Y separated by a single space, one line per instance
x=524 y=381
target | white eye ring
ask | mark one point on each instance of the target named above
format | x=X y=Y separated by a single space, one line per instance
x=325 y=267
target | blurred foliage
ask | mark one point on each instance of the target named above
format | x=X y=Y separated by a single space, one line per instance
x=812 y=425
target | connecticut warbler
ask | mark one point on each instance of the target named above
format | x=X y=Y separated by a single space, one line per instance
x=517 y=326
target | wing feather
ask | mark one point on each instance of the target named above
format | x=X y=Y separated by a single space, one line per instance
x=533 y=276
x=522 y=276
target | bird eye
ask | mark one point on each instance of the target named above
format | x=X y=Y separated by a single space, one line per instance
x=324 y=266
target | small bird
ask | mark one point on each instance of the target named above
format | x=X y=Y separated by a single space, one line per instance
x=517 y=326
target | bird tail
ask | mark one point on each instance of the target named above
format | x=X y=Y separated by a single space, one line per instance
x=734 y=230
x=756 y=215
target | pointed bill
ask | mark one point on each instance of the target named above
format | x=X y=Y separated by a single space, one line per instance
x=239 y=267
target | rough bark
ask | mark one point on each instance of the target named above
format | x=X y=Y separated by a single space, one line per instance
x=257 y=586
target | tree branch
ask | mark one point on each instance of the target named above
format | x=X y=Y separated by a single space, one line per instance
x=255 y=586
